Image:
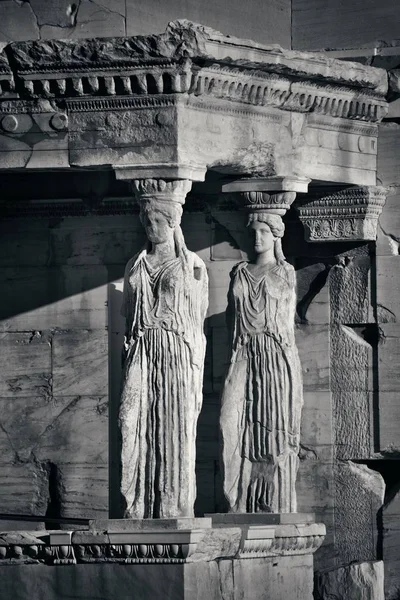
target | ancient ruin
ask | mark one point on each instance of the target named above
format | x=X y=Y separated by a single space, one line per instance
x=199 y=318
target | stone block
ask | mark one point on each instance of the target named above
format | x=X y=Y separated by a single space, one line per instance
x=316 y=420
x=389 y=422
x=288 y=577
x=25 y=365
x=219 y=281
x=351 y=359
x=388 y=289
x=47 y=298
x=363 y=581
x=24 y=243
x=389 y=357
x=18 y=22
x=23 y=423
x=354 y=424
x=276 y=29
x=88 y=19
x=313 y=344
x=317 y=24
x=389 y=224
x=388 y=155
x=350 y=290
x=391 y=546
x=312 y=292
x=78 y=435
x=96 y=241
x=80 y=363
x=359 y=493
x=24 y=490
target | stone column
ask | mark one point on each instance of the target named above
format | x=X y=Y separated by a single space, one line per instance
x=165 y=303
x=262 y=396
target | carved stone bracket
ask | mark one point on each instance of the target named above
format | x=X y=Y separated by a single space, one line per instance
x=162 y=190
x=347 y=215
x=267 y=194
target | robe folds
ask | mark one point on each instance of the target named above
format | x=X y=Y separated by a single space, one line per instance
x=262 y=396
x=162 y=384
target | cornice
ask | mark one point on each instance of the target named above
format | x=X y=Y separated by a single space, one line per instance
x=347 y=215
x=193 y=59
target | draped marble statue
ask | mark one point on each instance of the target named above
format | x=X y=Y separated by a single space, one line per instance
x=262 y=395
x=165 y=302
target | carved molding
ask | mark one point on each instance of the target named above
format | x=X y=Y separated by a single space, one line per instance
x=192 y=59
x=348 y=215
x=283 y=540
x=171 y=546
x=277 y=203
x=169 y=191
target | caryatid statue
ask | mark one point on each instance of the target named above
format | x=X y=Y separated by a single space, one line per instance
x=165 y=303
x=262 y=395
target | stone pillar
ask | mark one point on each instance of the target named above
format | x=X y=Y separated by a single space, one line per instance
x=165 y=303
x=262 y=396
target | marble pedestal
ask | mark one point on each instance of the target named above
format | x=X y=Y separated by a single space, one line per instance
x=219 y=558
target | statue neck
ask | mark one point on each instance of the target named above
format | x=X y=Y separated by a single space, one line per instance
x=163 y=250
x=265 y=258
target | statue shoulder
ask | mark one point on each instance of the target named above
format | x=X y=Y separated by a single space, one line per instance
x=197 y=261
x=237 y=268
x=288 y=272
x=132 y=261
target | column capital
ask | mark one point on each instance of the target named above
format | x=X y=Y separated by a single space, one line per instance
x=350 y=214
x=267 y=194
x=165 y=190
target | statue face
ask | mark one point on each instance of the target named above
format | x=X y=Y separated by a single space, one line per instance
x=262 y=237
x=157 y=227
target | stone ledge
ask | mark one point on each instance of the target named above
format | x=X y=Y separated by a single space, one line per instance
x=166 y=541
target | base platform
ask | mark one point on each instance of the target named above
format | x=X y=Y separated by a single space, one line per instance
x=231 y=556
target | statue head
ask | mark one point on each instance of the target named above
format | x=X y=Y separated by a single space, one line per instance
x=160 y=219
x=267 y=230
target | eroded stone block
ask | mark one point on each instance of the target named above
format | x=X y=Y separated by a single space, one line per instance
x=25 y=363
x=80 y=363
x=359 y=493
x=363 y=581
x=313 y=344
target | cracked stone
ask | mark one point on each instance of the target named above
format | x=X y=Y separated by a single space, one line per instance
x=361 y=581
x=359 y=494
x=17 y=22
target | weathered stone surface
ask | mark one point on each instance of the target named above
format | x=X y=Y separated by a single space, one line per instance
x=359 y=493
x=389 y=422
x=80 y=363
x=165 y=303
x=26 y=365
x=350 y=214
x=351 y=360
x=313 y=343
x=312 y=292
x=391 y=546
x=69 y=297
x=387 y=289
x=389 y=357
x=363 y=581
x=350 y=289
x=263 y=395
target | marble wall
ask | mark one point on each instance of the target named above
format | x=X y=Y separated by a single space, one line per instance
x=59 y=19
